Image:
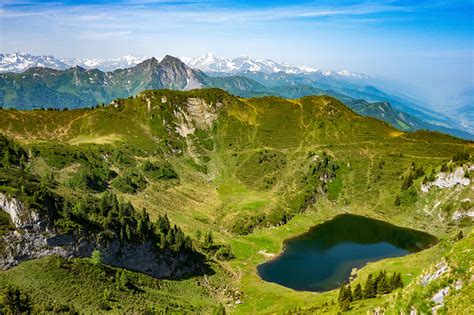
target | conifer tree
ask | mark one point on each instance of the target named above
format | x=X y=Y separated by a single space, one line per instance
x=122 y=234
x=357 y=292
x=128 y=232
x=345 y=297
x=391 y=281
x=345 y=305
x=163 y=224
x=348 y=293
x=341 y=293
x=140 y=229
x=109 y=218
x=103 y=207
x=370 y=288
x=407 y=182
x=399 y=281
x=162 y=240
x=383 y=286
x=170 y=237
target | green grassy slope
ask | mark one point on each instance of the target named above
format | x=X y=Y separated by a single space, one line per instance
x=246 y=167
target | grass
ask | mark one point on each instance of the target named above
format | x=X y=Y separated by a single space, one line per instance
x=81 y=285
x=260 y=153
x=82 y=139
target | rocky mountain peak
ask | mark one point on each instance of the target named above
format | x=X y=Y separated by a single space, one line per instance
x=176 y=74
x=170 y=61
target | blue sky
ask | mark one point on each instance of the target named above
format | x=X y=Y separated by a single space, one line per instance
x=425 y=44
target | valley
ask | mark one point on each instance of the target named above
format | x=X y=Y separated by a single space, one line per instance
x=238 y=176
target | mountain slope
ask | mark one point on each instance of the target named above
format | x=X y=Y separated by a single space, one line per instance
x=253 y=171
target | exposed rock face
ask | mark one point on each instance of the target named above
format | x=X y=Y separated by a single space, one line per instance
x=16 y=247
x=34 y=240
x=459 y=215
x=202 y=113
x=174 y=74
x=448 y=180
x=24 y=219
x=441 y=268
x=438 y=299
x=198 y=115
x=439 y=296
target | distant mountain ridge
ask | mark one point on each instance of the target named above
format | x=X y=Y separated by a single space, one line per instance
x=19 y=62
x=215 y=64
x=76 y=87
x=105 y=64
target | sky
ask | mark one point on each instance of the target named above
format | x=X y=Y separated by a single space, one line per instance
x=426 y=45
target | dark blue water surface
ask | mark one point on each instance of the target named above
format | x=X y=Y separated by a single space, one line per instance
x=322 y=258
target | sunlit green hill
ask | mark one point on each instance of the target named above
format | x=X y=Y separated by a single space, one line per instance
x=254 y=171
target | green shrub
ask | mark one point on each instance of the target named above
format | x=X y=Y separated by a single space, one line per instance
x=130 y=183
x=15 y=301
x=409 y=196
x=163 y=171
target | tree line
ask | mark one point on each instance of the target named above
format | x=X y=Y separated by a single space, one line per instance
x=120 y=219
x=374 y=285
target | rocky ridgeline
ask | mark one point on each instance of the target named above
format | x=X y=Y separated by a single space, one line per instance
x=34 y=237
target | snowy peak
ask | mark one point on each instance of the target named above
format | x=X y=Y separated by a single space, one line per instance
x=210 y=63
x=124 y=62
x=215 y=64
x=19 y=62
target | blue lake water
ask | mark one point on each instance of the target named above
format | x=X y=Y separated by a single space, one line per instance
x=322 y=258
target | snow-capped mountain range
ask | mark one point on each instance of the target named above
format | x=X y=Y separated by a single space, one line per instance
x=211 y=63
x=106 y=64
x=19 y=62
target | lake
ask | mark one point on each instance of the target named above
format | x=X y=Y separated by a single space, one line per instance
x=322 y=258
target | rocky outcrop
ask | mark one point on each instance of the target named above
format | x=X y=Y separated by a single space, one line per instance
x=438 y=299
x=141 y=257
x=441 y=268
x=448 y=180
x=198 y=114
x=460 y=214
x=32 y=239
x=22 y=218
x=17 y=247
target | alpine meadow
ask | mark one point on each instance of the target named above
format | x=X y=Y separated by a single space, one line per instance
x=236 y=185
